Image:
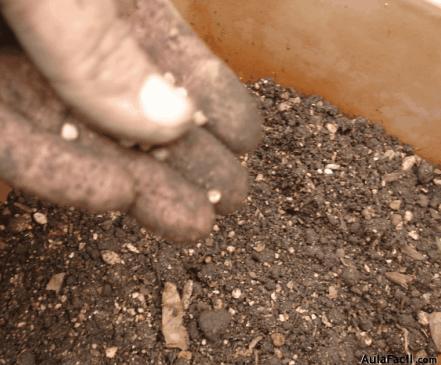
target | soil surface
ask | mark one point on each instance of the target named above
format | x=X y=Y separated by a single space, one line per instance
x=336 y=254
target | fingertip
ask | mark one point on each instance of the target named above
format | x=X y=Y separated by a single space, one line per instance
x=169 y=205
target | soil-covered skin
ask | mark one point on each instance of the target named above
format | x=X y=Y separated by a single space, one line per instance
x=307 y=272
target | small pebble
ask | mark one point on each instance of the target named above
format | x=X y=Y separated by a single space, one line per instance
x=26 y=358
x=408 y=216
x=236 y=293
x=69 y=132
x=332 y=128
x=414 y=235
x=40 y=218
x=55 y=282
x=213 y=324
x=259 y=177
x=408 y=162
x=111 y=352
x=110 y=257
x=395 y=204
x=160 y=153
x=396 y=219
x=332 y=292
x=278 y=339
x=214 y=196
x=332 y=166
x=423 y=318
x=200 y=118
x=425 y=172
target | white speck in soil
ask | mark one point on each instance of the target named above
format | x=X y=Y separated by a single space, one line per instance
x=40 y=218
x=69 y=132
x=214 y=196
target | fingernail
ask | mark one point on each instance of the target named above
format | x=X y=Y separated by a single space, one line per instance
x=162 y=103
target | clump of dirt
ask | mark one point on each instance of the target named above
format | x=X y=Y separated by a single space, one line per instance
x=336 y=254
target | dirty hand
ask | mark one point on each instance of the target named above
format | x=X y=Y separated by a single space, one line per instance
x=106 y=61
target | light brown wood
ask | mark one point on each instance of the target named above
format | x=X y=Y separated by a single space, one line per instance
x=378 y=59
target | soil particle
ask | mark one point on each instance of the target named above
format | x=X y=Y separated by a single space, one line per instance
x=213 y=324
x=26 y=358
x=312 y=254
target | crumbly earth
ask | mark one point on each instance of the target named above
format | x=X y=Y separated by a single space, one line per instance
x=300 y=275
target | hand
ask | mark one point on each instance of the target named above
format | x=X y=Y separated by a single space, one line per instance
x=103 y=81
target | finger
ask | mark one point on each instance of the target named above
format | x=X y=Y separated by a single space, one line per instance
x=231 y=113
x=57 y=171
x=163 y=200
x=168 y=204
x=89 y=56
x=203 y=160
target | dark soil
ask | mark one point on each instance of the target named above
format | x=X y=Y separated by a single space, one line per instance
x=300 y=275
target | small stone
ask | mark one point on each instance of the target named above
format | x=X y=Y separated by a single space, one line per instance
x=214 y=196
x=111 y=352
x=408 y=162
x=389 y=154
x=213 y=324
x=408 y=216
x=423 y=318
x=425 y=172
x=69 y=132
x=423 y=200
x=332 y=166
x=55 y=282
x=368 y=213
x=332 y=128
x=278 y=339
x=284 y=106
x=259 y=247
x=395 y=204
x=297 y=100
x=26 y=358
x=40 y=218
x=435 y=329
x=332 y=292
x=110 y=257
x=351 y=276
x=414 y=235
x=132 y=248
x=200 y=118
x=259 y=177
x=160 y=153
x=328 y=171
x=236 y=293
x=396 y=219
x=364 y=338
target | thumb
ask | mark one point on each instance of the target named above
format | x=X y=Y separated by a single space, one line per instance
x=91 y=59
